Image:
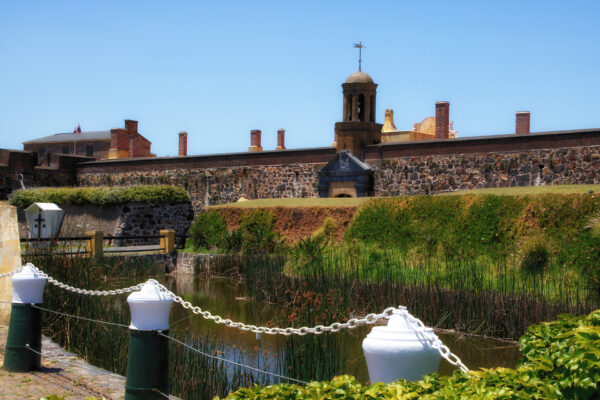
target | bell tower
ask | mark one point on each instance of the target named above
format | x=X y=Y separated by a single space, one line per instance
x=358 y=127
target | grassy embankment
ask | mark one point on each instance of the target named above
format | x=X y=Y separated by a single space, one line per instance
x=357 y=201
x=485 y=263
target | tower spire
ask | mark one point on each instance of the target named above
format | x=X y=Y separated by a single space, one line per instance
x=359 y=46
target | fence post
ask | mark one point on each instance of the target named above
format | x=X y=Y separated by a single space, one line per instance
x=25 y=321
x=94 y=244
x=167 y=240
x=148 y=359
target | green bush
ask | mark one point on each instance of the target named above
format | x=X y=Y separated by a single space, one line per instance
x=100 y=196
x=536 y=256
x=306 y=252
x=258 y=233
x=328 y=231
x=561 y=360
x=209 y=230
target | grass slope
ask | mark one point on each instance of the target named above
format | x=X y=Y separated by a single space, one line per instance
x=354 y=202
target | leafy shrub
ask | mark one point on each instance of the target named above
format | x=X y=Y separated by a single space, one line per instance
x=306 y=252
x=536 y=256
x=594 y=226
x=208 y=230
x=561 y=360
x=100 y=196
x=258 y=232
x=328 y=231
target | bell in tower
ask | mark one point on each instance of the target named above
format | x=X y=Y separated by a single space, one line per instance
x=358 y=127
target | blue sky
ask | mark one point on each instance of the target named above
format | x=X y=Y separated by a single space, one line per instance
x=219 y=69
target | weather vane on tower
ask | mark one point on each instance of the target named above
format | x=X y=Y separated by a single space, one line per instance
x=359 y=46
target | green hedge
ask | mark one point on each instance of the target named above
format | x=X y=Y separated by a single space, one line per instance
x=561 y=360
x=100 y=196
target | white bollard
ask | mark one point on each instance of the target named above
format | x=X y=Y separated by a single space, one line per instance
x=148 y=359
x=149 y=308
x=398 y=351
x=25 y=329
x=28 y=286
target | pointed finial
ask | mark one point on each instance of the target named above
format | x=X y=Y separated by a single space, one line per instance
x=359 y=46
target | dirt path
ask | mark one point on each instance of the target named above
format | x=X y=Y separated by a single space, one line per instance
x=63 y=374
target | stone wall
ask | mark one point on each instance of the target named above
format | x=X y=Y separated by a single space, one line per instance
x=132 y=219
x=184 y=263
x=445 y=173
x=19 y=168
x=210 y=186
x=149 y=219
x=393 y=177
x=419 y=167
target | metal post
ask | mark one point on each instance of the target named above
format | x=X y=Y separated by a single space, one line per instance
x=148 y=359
x=25 y=327
x=94 y=244
x=167 y=240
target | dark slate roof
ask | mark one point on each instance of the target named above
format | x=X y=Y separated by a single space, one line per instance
x=71 y=137
x=346 y=161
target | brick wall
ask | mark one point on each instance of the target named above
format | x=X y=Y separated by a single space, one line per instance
x=100 y=148
x=21 y=166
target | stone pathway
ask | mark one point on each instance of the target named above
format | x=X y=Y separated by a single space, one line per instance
x=63 y=374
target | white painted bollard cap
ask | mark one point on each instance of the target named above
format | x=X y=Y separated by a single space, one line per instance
x=28 y=285
x=398 y=350
x=149 y=308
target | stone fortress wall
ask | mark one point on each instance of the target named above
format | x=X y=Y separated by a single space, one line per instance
x=434 y=166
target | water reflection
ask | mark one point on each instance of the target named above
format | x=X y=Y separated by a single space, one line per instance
x=227 y=298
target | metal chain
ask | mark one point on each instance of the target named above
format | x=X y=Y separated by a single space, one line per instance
x=86 y=291
x=9 y=274
x=437 y=344
x=352 y=323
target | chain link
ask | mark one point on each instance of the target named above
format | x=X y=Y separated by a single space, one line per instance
x=437 y=344
x=352 y=323
x=85 y=291
x=9 y=274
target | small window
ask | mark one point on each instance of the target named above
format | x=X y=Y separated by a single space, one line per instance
x=66 y=149
x=42 y=152
x=89 y=150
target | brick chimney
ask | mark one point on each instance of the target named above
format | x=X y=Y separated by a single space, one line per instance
x=280 y=139
x=78 y=130
x=255 y=141
x=522 y=122
x=182 y=144
x=442 y=120
x=131 y=126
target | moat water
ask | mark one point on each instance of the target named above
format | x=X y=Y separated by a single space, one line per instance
x=226 y=298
